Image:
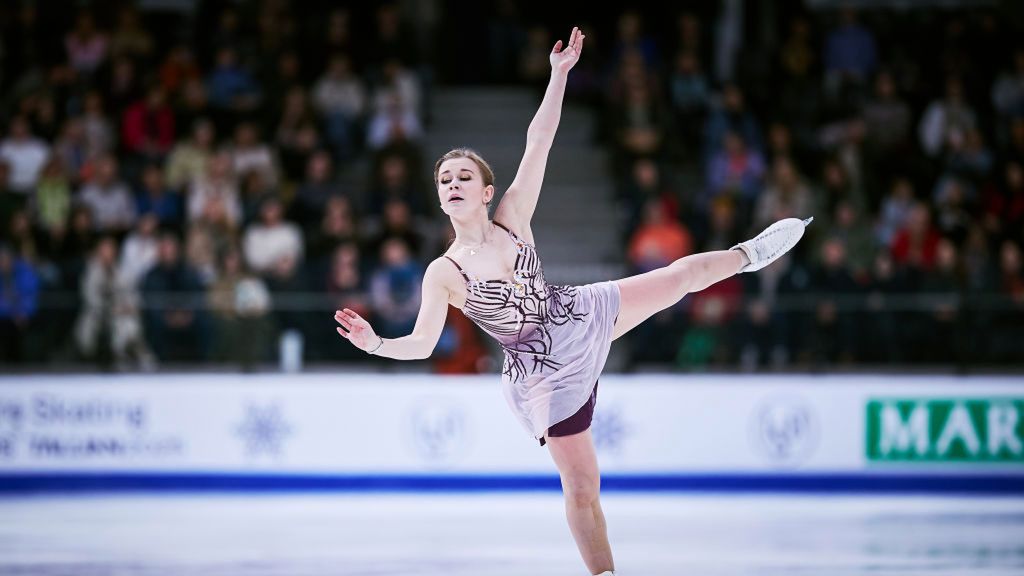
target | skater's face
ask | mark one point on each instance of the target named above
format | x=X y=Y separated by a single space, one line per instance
x=460 y=187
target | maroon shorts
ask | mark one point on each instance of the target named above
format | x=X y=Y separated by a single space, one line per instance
x=578 y=422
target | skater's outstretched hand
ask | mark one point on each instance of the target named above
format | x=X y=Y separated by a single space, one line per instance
x=564 y=60
x=356 y=330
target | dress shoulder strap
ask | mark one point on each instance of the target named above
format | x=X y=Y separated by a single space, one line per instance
x=456 y=265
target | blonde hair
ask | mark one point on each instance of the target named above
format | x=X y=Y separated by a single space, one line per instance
x=485 y=168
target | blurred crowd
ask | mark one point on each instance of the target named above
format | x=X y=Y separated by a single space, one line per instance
x=169 y=198
x=901 y=133
x=183 y=189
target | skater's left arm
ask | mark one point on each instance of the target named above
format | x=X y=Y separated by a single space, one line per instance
x=525 y=189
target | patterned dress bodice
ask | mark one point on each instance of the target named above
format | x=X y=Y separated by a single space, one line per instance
x=520 y=313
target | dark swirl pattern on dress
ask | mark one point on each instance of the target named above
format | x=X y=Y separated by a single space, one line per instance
x=519 y=313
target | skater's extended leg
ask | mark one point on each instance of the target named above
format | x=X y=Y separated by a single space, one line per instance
x=581 y=483
x=646 y=294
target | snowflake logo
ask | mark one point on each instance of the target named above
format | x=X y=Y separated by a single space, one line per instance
x=264 y=429
x=609 y=429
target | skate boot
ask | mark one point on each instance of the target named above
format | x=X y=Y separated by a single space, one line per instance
x=775 y=241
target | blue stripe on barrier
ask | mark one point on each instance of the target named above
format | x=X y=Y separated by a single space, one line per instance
x=1008 y=484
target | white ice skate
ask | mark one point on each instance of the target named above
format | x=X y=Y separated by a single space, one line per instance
x=775 y=241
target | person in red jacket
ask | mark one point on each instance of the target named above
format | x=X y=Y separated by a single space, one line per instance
x=147 y=127
x=916 y=243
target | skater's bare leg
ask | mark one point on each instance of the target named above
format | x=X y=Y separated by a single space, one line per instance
x=581 y=483
x=646 y=294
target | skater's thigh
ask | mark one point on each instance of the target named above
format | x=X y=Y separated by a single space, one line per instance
x=644 y=295
x=576 y=460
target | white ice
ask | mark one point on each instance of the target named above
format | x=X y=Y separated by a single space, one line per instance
x=495 y=534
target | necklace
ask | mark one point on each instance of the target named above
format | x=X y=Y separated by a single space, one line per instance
x=472 y=250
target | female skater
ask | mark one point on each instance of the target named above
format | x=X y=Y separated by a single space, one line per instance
x=555 y=338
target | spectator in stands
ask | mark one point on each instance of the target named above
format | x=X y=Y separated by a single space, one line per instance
x=100 y=137
x=131 y=38
x=851 y=53
x=308 y=206
x=193 y=104
x=835 y=326
x=297 y=135
x=645 y=183
x=51 y=202
x=887 y=122
x=639 y=125
x=189 y=158
x=250 y=153
x=630 y=36
x=272 y=238
x=392 y=41
x=147 y=127
x=690 y=95
x=230 y=87
x=393 y=122
x=941 y=288
x=178 y=68
x=239 y=304
x=883 y=312
x=10 y=201
x=154 y=197
x=659 y=240
x=915 y=244
x=346 y=286
x=729 y=115
x=340 y=97
x=1003 y=205
x=951 y=204
x=109 y=320
x=109 y=200
x=736 y=172
x=785 y=196
x=895 y=210
x=394 y=289
x=24 y=154
x=394 y=181
x=710 y=315
x=212 y=233
x=174 y=320
x=337 y=226
x=396 y=223
x=859 y=244
x=1008 y=90
x=23 y=238
x=72 y=149
x=1006 y=343
x=218 y=183
x=19 y=295
x=947 y=121
x=86 y=46
x=139 y=251
x=121 y=84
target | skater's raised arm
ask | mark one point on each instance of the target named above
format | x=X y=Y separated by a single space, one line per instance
x=525 y=189
x=429 y=324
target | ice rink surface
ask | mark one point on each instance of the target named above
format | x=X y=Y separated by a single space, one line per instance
x=499 y=534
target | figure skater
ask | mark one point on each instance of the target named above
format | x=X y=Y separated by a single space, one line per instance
x=555 y=338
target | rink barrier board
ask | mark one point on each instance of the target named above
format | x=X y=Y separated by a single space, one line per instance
x=366 y=432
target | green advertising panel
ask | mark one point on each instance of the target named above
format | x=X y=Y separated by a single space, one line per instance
x=945 y=430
